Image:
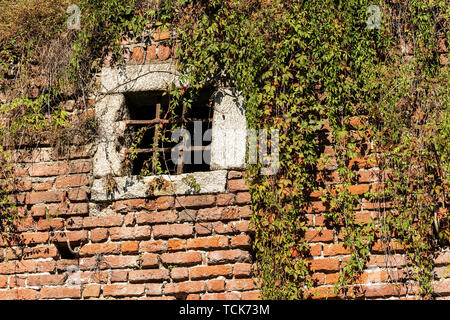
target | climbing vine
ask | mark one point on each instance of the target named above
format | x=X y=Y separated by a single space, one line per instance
x=303 y=67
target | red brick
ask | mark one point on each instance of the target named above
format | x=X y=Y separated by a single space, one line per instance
x=225 y=199
x=240 y=285
x=173 y=230
x=207 y=272
x=324 y=265
x=46 y=280
x=119 y=276
x=251 y=295
x=316 y=250
x=222 y=296
x=228 y=256
x=56 y=169
x=134 y=204
x=241 y=241
x=164 y=203
x=91 y=291
x=40 y=252
x=60 y=292
x=335 y=249
x=442 y=287
x=130 y=247
x=123 y=290
x=155 y=275
x=242 y=270
x=47 y=224
x=319 y=236
x=17 y=281
x=45 y=197
x=138 y=54
x=80 y=167
x=234 y=174
x=315 y=207
x=203 y=228
x=176 y=244
x=153 y=289
x=168 y=216
x=240 y=226
x=99 y=248
x=207 y=243
x=3 y=281
x=77 y=180
x=151 y=53
x=383 y=290
x=130 y=233
x=153 y=246
x=245 y=212
x=42 y=186
x=98 y=235
x=102 y=221
x=237 y=185
x=20 y=185
x=77 y=195
x=34 y=238
x=27 y=294
x=243 y=197
x=45 y=266
x=184 y=287
x=359 y=189
x=150 y=260
x=215 y=285
x=181 y=258
x=179 y=274
x=163 y=52
x=195 y=201
x=73 y=236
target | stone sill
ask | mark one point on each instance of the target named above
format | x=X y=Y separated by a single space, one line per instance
x=134 y=187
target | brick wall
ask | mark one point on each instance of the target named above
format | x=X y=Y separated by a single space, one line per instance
x=167 y=247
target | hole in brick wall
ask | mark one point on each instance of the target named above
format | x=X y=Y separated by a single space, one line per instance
x=149 y=115
x=64 y=251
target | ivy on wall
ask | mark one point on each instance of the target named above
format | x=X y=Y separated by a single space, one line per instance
x=301 y=66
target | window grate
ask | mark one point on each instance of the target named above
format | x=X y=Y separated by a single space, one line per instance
x=149 y=113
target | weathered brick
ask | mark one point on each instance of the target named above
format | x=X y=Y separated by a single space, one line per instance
x=46 y=280
x=72 y=236
x=34 y=237
x=325 y=265
x=40 y=252
x=42 y=186
x=98 y=235
x=50 y=224
x=123 y=290
x=251 y=295
x=195 y=201
x=228 y=256
x=217 y=285
x=222 y=296
x=207 y=272
x=184 y=287
x=225 y=199
x=99 y=248
x=242 y=270
x=240 y=241
x=179 y=274
x=240 y=285
x=164 y=203
x=153 y=289
x=243 y=197
x=60 y=292
x=44 y=197
x=319 y=236
x=335 y=249
x=44 y=170
x=102 y=221
x=155 y=275
x=168 y=216
x=163 y=52
x=153 y=246
x=91 y=291
x=173 y=230
x=207 y=243
x=181 y=258
x=73 y=181
x=119 y=276
x=176 y=244
x=237 y=185
x=80 y=167
x=77 y=195
x=3 y=281
x=130 y=247
x=130 y=233
x=149 y=260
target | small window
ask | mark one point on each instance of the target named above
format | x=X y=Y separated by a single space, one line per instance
x=150 y=119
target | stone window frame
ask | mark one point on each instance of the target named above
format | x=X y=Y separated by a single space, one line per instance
x=228 y=141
